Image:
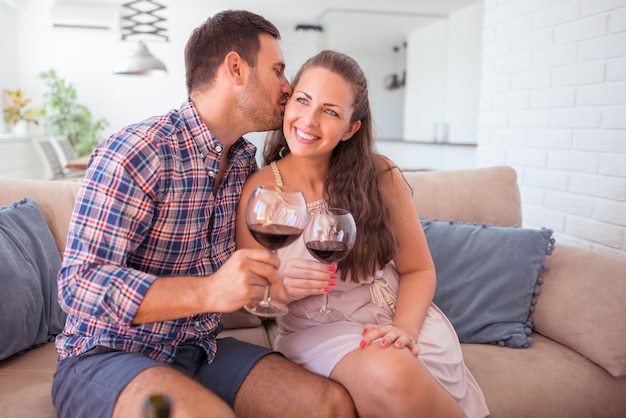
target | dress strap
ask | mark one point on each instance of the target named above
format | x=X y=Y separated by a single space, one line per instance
x=277 y=177
x=279 y=183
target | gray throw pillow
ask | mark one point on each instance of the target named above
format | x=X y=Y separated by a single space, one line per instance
x=487 y=278
x=29 y=262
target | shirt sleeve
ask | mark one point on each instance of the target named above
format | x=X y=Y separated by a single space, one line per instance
x=111 y=218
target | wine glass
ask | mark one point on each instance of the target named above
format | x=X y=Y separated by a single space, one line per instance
x=329 y=236
x=275 y=216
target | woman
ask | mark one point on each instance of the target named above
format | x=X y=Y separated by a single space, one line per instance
x=401 y=359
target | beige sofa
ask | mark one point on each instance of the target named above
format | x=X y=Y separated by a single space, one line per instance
x=576 y=366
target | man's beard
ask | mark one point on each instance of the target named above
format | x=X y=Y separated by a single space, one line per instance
x=257 y=106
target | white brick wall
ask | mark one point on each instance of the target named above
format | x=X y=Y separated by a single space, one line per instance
x=553 y=106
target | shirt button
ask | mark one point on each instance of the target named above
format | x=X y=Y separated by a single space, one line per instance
x=211 y=173
x=218 y=148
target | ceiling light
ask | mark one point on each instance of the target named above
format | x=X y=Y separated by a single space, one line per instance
x=141 y=24
x=139 y=61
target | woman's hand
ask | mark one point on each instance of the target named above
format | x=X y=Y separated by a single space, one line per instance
x=389 y=336
x=303 y=278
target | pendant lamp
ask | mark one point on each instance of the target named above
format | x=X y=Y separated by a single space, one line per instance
x=139 y=61
x=141 y=24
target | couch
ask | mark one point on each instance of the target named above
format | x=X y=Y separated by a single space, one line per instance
x=574 y=365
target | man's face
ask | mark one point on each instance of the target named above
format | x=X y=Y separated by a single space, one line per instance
x=264 y=100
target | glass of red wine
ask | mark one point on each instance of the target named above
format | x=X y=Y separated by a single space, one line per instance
x=329 y=236
x=275 y=216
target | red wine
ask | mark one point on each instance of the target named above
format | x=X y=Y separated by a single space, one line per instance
x=274 y=236
x=328 y=251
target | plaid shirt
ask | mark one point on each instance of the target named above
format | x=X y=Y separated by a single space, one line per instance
x=146 y=209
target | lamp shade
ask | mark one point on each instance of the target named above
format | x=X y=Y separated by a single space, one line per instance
x=139 y=62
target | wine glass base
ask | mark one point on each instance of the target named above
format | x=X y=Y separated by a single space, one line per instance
x=325 y=315
x=267 y=310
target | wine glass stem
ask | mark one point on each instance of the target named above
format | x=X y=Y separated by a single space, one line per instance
x=325 y=306
x=267 y=301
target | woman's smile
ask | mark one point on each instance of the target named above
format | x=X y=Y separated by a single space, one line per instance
x=301 y=135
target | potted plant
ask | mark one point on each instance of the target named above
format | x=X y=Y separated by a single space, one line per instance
x=66 y=117
x=16 y=114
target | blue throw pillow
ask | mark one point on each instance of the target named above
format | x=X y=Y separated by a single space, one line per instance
x=29 y=262
x=487 y=278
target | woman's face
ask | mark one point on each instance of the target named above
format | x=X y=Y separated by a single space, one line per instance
x=318 y=113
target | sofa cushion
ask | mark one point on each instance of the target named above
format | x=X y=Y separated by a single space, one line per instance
x=26 y=382
x=487 y=278
x=582 y=305
x=29 y=311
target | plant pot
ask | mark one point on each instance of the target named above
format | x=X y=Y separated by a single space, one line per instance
x=20 y=128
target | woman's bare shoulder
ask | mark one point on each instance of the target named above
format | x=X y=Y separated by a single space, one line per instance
x=387 y=168
x=262 y=176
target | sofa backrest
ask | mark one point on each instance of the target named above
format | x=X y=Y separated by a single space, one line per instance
x=55 y=199
x=487 y=194
x=484 y=194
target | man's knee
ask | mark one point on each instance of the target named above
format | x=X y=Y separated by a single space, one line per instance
x=185 y=393
x=339 y=401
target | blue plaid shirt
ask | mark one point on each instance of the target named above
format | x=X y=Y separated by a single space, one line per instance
x=146 y=209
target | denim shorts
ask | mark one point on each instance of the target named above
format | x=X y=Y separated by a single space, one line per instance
x=89 y=385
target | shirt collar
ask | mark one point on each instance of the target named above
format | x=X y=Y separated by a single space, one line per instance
x=206 y=142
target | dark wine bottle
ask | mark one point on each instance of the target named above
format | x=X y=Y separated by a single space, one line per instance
x=157 y=406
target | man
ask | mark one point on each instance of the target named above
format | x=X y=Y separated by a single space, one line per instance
x=150 y=256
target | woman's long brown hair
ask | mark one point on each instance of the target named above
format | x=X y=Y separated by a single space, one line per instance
x=354 y=179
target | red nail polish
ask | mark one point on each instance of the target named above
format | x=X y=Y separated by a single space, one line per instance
x=332 y=268
x=362 y=344
x=364 y=331
x=331 y=283
x=384 y=343
x=333 y=276
x=327 y=290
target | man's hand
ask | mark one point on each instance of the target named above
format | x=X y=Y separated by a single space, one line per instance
x=242 y=279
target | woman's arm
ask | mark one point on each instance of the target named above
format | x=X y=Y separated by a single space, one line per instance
x=415 y=267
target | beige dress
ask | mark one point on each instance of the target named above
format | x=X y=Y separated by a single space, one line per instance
x=319 y=347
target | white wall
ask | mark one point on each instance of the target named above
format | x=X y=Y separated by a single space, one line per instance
x=553 y=106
